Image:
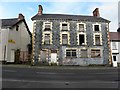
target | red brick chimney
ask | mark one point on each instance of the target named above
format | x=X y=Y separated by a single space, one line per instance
x=96 y=12
x=20 y=17
x=40 y=10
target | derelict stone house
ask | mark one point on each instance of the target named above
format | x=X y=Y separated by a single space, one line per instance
x=70 y=39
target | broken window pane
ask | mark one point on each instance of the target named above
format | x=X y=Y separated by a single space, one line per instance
x=95 y=54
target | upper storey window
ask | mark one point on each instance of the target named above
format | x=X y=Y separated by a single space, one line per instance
x=96 y=27
x=81 y=27
x=47 y=26
x=64 y=26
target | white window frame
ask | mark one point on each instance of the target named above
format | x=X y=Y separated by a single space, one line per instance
x=85 y=39
x=68 y=25
x=67 y=35
x=100 y=38
x=44 y=23
x=116 y=44
x=99 y=27
x=47 y=32
x=78 y=26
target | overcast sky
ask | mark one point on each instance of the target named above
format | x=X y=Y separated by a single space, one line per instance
x=108 y=9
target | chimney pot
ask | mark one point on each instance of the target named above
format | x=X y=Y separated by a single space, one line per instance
x=40 y=10
x=20 y=17
x=96 y=12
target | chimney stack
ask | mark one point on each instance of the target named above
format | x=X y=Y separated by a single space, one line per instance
x=20 y=17
x=96 y=12
x=40 y=10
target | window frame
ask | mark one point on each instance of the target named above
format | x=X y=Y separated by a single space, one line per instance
x=44 y=24
x=78 y=28
x=95 y=53
x=71 y=51
x=68 y=26
x=85 y=40
x=43 y=35
x=100 y=38
x=115 y=46
x=68 y=35
x=98 y=25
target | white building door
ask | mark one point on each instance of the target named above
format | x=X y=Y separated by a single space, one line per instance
x=53 y=57
x=114 y=61
x=12 y=56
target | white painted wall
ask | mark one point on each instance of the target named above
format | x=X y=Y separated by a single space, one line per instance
x=4 y=39
x=21 y=38
x=116 y=51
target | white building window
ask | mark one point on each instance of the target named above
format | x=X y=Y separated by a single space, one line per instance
x=81 y=27
x=47 y=26
x=64 y=26
x=114 y=46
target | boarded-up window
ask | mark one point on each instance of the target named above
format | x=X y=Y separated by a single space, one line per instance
x=47 y=39
x=71 y=53
x=64 y=39
x=95 y=53
x=84 y=53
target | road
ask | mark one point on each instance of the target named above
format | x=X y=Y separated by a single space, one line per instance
x=33 y=77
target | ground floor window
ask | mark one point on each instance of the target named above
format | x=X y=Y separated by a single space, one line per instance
x=95 y=53
x=84 y=53
x=71 y=53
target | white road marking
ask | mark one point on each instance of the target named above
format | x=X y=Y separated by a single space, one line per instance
x=53 y=81
x=9 y=71
x=52 y=73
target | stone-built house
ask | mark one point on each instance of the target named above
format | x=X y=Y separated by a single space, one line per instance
x=15 y=40
x=70 y=39
x=115 y=46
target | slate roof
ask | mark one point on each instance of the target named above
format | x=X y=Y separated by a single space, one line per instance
x=115 y=36
x=69 y=17
x=9 y=22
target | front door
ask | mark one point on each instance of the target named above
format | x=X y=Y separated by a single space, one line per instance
x=12 y=58
x=53 y=56
x=114 y=61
